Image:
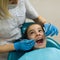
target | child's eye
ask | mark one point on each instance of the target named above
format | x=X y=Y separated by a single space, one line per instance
x=39 y=30
x=31 y=32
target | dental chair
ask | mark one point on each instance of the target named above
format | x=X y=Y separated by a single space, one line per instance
x=15 y=55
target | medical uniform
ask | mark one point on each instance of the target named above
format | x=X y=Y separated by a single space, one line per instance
x=10 y=28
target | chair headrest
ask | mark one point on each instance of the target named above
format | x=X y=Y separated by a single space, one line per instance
x=25 y=26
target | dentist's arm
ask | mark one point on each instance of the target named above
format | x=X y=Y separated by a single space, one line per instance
x=24 y=45
x=7 y=47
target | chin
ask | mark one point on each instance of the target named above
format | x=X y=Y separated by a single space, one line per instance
x=39 y=47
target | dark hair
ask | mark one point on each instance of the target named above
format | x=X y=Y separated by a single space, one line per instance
x=25 y=33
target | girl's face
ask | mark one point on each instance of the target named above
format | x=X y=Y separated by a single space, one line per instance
x=36 y=32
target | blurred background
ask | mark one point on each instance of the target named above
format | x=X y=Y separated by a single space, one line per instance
x=49 y=9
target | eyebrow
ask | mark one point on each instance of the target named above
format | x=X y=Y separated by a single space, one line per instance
x=30 y=31
x=33 y=30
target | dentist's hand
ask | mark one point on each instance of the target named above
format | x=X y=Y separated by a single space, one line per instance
x=50 y=29
x=24 y=45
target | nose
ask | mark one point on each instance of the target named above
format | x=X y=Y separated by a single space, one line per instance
x=38 y=34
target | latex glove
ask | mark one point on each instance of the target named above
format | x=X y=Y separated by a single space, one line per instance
x=24 y=45
x=50 y=29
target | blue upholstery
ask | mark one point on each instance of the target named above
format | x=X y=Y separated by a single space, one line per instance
x=52 y=43
x=15 y=55
x=48 y=53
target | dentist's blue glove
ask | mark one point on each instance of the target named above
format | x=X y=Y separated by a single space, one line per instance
x=24 y=45
x=50 y=29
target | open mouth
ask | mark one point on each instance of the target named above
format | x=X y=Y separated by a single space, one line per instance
x=39 y=41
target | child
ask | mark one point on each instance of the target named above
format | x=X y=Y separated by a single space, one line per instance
x=36 y=32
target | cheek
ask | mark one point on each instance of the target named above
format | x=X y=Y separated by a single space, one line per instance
x=31 y=37
x=42 y=34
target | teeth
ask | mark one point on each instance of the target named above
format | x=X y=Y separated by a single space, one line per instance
x=38 y=39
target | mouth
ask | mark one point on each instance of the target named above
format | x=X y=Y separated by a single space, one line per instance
x=39 y=41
